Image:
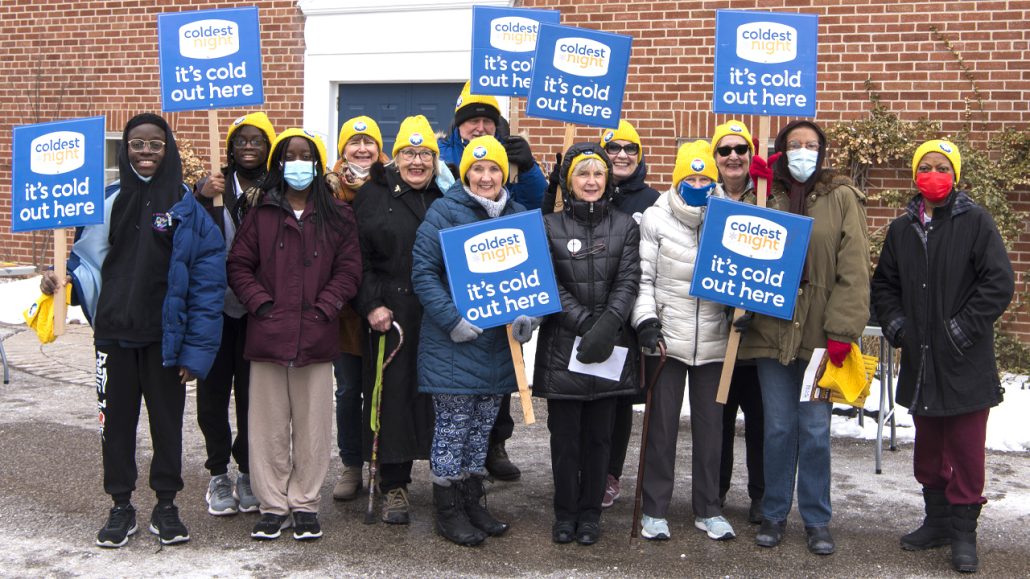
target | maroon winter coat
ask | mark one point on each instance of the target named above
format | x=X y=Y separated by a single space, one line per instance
x=308 y=273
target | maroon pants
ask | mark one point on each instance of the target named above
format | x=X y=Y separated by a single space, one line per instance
x=950 y=455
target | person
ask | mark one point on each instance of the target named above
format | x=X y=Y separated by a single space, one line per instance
x=247 y=144
x=151 y=281
x=942 y=280
x=389 y=208
x=633 y=196
x=594 y=250
x=695 y=332
x=734 y=151
x=466 y=369
x=360 y=145
x=294 y=264
x=831 y=311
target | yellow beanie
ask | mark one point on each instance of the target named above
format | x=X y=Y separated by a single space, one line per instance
x=470 y=106
x=304 y=134
x=484 y=148
x=694 y=159
x=579 y=159
x=732 y=127
x=625 y=132
x=359 y=126
x=258 y=120
x=415 y=131
x=946 y=148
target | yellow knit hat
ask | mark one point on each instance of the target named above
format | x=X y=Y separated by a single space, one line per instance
x=470 y=106
x=484 y=148
x=694 y=159
x=732 y=127
x=946 y=148
x=579 y=159
x=359 y=126
x=415 y=131
x=625 y=132
x=258 y=120
x=304 y=134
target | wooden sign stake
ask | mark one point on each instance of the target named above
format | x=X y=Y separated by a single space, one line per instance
x=212 y=142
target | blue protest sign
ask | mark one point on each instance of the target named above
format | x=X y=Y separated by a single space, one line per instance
x=751 y=257
x=500 y=269
x=503 y=45
x=765 y=63
x=58 y=175
x=579 y=76
x=210 y=59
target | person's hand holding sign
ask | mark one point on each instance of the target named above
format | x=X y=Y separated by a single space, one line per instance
x=214 y=186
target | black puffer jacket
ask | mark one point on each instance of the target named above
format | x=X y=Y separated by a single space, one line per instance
x=596 y=261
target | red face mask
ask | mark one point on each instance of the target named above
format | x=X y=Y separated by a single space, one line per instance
x=934 y=186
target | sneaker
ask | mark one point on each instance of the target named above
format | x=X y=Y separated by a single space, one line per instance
x=718 y=528
x=395 y=507
x=220 y=498
x=349 y=484
x=270 y=526
x=654 y=528
x=611 y=492
x=588 y=533
x=165 y=523
x=563 y=532
x=305 y=526
x=245 y=495
x=120 y=525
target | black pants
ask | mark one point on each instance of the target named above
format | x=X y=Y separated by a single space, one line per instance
x=581 y=434
x=746 y=394
x=504 y=426
x=125 y=376
x=230 y=372
x=621 y=432
x=394 y=475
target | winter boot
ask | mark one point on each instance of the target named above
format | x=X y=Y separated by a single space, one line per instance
x=936 y=528
x=474 y=496
x=451 y=521
x=963 y=538
x=499 y=465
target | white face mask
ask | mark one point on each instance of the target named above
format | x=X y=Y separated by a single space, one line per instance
x=801 y=163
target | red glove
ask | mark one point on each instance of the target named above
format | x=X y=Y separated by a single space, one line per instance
x=759 y=168
x=837 y=351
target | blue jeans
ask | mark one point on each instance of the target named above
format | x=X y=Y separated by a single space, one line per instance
x=797 y=445
x=347 y=369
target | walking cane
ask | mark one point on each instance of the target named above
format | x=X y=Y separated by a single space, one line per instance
x=639 y=491
x=377 y=398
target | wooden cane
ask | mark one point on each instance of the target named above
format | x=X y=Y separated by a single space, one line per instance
x=639 y=491
x=377 y=394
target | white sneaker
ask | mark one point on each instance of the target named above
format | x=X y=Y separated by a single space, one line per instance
x=654 y=528
x=718 y=528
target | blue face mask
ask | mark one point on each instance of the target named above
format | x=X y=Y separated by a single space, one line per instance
x=299 y=174
x=695 y=196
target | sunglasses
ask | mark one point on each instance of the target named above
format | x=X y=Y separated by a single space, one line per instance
x=138 y=145
x=725 y=150
x=614 y=149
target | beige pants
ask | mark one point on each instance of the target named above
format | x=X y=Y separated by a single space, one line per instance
x=290 y=408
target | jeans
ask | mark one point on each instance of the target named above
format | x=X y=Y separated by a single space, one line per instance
x=347 y=369
x=797 y=446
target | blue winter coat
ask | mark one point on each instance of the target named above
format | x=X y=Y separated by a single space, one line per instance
x=482 y=366
x=528 y=191
x=191 y=316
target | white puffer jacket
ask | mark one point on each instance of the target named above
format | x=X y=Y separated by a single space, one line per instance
x=695 y=330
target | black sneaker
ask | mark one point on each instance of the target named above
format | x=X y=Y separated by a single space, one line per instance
x=270 y=526
x=121 y=524
x=165 y=523
x=305 y=526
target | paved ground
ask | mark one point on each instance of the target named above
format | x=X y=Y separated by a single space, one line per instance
x=51 y=505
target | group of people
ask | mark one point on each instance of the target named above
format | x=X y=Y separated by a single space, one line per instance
x=271 y=277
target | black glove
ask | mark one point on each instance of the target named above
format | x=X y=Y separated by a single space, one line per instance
x=742 y=324
x=649 y=333
x=552 y=186
x=586 y=324
x=598 y=343
x=519 y=153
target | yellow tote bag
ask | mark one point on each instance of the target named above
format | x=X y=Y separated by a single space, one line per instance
x=40 y=315
x=851 y=381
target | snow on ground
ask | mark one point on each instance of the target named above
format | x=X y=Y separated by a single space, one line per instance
x=16 y=297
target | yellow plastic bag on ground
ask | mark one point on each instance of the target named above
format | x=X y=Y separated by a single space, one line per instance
x=40 y=315
x=849 y=384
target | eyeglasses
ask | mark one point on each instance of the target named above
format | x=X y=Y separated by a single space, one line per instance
x=139 y=145
x=725 y=150
x=795 y=145
x=240 y=142
x=613 y=149
x=409 y=154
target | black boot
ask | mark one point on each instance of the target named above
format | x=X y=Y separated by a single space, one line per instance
x=498 y=464
x=451 y=520
x=474 y=496
x=963 y=537
x=936 y=528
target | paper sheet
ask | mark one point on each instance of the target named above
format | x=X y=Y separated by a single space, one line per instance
x=610 y=369
x=808 y=382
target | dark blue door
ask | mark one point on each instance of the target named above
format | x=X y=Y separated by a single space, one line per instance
x=389 y=104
